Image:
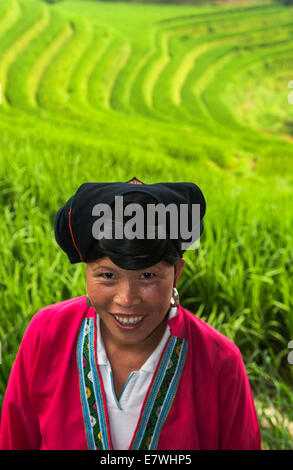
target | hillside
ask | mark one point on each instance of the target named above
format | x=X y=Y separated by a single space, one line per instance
x=100 y=91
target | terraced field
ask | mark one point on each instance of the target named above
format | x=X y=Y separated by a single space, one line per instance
x=103 y=92
x=151 y=72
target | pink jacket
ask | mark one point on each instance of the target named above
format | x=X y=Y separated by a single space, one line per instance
x=199 y=398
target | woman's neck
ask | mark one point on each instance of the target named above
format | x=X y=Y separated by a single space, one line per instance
x=132 y=353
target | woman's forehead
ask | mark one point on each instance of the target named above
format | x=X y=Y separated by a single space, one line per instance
x=106 y=263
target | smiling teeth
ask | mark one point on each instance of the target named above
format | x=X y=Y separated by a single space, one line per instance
x=130 y=321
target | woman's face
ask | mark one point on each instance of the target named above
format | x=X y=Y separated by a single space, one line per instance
x=132 y=304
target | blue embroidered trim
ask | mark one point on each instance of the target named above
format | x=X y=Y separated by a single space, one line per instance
x=97 y=389
x=152 y=396
x=90 y=389
x=85 y=407
x=169 y=397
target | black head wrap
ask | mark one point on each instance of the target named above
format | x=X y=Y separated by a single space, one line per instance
x=74 y=221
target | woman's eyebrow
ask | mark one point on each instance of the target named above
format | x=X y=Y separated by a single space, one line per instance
x=113 y=269
x=103 y=267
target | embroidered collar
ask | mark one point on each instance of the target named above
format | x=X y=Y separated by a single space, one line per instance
x=158 y=400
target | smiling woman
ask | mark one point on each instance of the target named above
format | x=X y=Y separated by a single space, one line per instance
x=126 y=366
x=133 y=310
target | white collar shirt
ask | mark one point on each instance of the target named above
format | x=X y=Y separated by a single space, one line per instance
x=124 y=411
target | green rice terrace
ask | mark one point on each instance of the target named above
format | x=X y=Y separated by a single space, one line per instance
x=103 y=92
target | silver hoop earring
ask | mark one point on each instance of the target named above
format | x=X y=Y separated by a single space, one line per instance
x=175 y=298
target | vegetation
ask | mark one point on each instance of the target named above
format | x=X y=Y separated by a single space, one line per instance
x=104 y=92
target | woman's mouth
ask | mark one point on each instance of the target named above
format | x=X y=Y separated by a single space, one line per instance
x=127 y=321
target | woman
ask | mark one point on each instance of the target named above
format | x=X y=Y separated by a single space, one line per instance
x=126 y=367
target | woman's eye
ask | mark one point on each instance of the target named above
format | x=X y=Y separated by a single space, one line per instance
x=107 y=274
x=148 y=275
x=109 y=277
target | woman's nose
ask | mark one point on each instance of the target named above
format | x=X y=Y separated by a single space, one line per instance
x=127 y=294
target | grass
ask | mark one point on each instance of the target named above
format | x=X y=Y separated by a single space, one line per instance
x=104 y=92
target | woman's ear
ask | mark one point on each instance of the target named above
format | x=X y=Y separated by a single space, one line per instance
x=178 y=270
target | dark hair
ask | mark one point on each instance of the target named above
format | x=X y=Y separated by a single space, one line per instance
x=130 y=252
